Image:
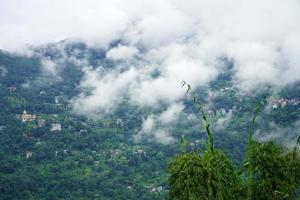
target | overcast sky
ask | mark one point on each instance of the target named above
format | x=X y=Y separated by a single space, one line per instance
x=261 y=36
x=182 y=40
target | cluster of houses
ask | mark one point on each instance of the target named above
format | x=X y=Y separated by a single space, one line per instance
x=29 y=153
x=282 y=102
x=137 y=151
x=227 y=89
x=107 y=123
x=115 y=153
x=221 y=111
x=155 y=189
x=26 y=117
x=151 y=188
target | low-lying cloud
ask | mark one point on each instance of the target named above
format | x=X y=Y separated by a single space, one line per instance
x=3 y=71
x=101 y=92
x=121 y=52
x=156 y=127
x=286 y=135
x=161 y=44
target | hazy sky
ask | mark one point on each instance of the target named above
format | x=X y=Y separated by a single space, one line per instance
x=182 y=40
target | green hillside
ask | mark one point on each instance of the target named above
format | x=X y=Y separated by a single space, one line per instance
x=53 y=152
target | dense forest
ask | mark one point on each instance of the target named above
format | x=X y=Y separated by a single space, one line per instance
x=47 y=151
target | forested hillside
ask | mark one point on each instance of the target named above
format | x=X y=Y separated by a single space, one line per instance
x=50 y=150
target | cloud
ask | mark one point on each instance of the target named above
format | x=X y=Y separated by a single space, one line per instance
x=161 y=44
x=222 y=122
x=3 y=71
x=285 y=135
x=157 y=127
x=101 y=92
x=173 y=63
x=171 y=113
x=49 y=67
x=139 y=83
x=121 y=52
x=39 y=22
x=262 y=37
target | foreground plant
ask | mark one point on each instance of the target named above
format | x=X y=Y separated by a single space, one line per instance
x=210 y=175
x=271 y=172
x=274 y=176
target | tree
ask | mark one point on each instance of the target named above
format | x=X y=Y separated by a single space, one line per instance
x=188 y=177
x=210 y=175
x=271 y=171
x=276 y=172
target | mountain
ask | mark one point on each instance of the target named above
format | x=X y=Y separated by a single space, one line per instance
x=74 y=124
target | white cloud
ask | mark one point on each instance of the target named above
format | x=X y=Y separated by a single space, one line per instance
x=38 y=22
x=158 y=127
x=3 y=71
x=165 y=41
x=222 y=122
x=101 y=92
x=285 y=135
x=262 y=37
x=176 y=62
x=121 y=53
x=171 y=113
x=49 y=67
x=163 y=137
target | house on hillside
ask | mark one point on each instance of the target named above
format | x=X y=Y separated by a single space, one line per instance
x=41 y=122
x=119 y=122
x=156 y=189
x=140 y=152
x=55 y=127
x=28 y=154
x=12 y=89
x=27 y=117
x=115 y=152
x=42 y=92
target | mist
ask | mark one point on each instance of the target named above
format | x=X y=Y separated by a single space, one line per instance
x=162 y=44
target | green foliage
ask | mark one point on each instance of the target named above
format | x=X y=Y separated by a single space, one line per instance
x=187 y=177
x=271 y=172
x=79 y=161
x=222 y=178
x=208 y=176
x=276 y=172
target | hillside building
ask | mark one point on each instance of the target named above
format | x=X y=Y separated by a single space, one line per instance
x=41 y=122
x=55 y=127
x=28 y=154
x=27 y=117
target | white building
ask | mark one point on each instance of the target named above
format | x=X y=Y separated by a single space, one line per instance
x=223 y=111
x=55 y=127
x=27 y=117
x=28 y=154
x=119 y=122
x=41 y=122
